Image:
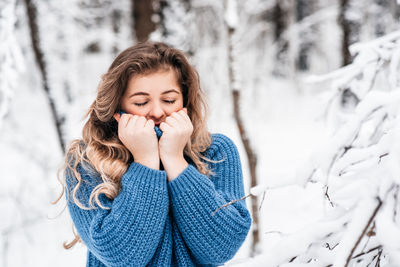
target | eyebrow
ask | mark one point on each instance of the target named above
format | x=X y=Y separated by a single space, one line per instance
x=163 y=93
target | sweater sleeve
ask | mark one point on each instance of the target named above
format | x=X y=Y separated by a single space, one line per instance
x=212 y=238
x=128 y=232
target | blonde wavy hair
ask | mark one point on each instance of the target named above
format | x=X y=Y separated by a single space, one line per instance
x=100 y=147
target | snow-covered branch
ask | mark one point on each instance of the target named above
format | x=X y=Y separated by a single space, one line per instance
x=10 y=56
x=357 y=169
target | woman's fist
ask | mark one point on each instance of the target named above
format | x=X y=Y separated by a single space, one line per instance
x=177 y=130
x=137 y=134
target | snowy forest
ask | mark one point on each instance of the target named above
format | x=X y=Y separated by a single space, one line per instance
x=309 y=90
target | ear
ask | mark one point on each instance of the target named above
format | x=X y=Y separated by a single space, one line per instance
x=117 y=116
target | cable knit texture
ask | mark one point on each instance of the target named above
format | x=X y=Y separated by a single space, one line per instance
x=153 y=222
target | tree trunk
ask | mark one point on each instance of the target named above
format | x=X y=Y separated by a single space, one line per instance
x=116 y=20
x=350 y=29
x=252 y=160
x=143 y=25
x=35 y=39
x=280 y=22
x=304 y=8
x=383 y=24
x=251 y=155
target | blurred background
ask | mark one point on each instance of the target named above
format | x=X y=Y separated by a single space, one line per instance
x=255 y=59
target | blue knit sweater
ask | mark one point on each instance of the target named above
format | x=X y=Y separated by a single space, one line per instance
x=153 y=222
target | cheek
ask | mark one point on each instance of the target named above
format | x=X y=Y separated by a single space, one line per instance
x=173 y=108
x=139 y=112
x=134 y=110
x=178 y=105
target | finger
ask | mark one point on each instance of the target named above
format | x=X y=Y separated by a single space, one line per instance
x=183 y=114
x=130 y=124
x=172 y=120
x=141 y=121
x=150 y=124
x=133 y=120
x=124 y=120
x=183 y=118
x=165 y=127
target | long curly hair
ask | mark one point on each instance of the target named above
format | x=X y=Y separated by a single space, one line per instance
x=100 y=146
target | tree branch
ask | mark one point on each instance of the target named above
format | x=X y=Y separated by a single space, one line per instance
x=363 y=232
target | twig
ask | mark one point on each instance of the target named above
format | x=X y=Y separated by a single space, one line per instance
x=329 y=247
x=327 y=196
x=273 y=232
x=230 y=203
x=348 y=146
x=378 y=260
x=369 y=251
x=378 y=127
x=370 y=233
x=309 y=179
x=381 y=156
x=262 y=200
x=396 y=199
x=363 y=232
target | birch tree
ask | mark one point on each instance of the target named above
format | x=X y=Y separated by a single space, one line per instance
x=231 y=21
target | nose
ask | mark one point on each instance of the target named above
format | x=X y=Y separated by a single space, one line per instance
x=156 y=112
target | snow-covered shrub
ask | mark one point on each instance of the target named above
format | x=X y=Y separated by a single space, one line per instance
x=10 y=56
x=358 y=168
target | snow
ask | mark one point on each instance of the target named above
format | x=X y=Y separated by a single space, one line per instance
x=322 y=166
x=231 y=16
x=10 y=55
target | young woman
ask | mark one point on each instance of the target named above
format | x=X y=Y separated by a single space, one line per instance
x=144 y=182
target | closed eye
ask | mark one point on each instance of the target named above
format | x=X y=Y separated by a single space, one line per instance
x=170 y=101
x=140 y=104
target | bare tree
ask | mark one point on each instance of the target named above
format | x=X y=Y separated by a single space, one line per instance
x=350 y=27
x=280 y=17
x=231 y=25
x=31 y=11
x=304 y=9
x=143 y=25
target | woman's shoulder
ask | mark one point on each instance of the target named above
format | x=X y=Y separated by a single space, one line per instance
x=221 y=145
x=219 y=139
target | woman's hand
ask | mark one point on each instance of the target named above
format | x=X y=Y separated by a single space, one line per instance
x=177 y=130
x=137 y=134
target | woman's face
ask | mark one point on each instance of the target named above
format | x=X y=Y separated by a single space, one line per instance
x=154 y=96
